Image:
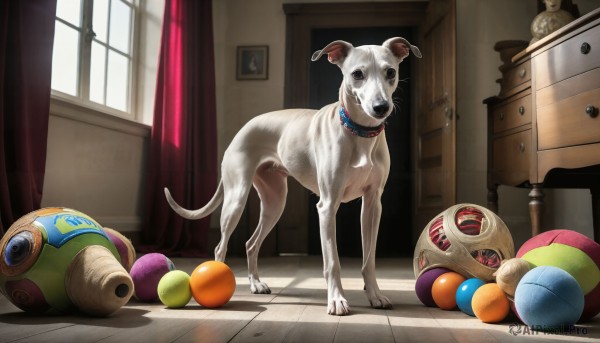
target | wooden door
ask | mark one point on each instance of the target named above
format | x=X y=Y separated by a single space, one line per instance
x=435 y=122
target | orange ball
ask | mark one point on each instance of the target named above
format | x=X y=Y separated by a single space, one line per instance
x=212 y=284
x=444 y=289
x=490 y=304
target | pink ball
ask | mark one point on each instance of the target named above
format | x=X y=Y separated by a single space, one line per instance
x=146 y=272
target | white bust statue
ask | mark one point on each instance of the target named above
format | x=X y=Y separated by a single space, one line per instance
x=549 y=21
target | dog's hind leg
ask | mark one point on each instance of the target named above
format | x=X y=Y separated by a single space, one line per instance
x=236 y=187
x=271 y=185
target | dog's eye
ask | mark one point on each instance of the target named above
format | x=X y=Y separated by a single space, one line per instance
x=358 y=75
x=390 y=73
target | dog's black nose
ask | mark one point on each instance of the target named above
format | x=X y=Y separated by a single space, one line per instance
x=381 y=108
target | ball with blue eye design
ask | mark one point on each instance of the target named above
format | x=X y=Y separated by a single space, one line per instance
x=59 y=260
x=18 y=248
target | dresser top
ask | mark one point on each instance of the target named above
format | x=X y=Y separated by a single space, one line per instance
x=555 y=37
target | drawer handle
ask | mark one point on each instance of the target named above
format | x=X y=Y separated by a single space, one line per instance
x=522 y=147
x=591 y=111
x=522 y=72
x=522 y=110
x=501 y=115
x=585 y=48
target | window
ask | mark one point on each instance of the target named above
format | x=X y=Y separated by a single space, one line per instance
x=93 y=53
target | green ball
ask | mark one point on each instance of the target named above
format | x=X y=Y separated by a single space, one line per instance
x=174 y=289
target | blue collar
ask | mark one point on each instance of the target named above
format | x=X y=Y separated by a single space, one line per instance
x=356 y=129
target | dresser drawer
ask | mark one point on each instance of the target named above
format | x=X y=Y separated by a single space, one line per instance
x=569 y=122
x=516 y=76
x=567 y=88
x=574 y=56
x=511 y=158
x=513 y=113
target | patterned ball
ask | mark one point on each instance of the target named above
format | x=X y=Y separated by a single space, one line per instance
x=468 y=239
x=37 y=252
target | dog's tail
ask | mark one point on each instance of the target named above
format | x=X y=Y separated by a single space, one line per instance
x=216 y=200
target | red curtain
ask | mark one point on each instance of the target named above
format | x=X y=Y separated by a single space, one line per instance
x=26 y=41
x=183 y=147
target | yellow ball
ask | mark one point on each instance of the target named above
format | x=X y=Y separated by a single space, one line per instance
x=490 y=304
x=174 y=289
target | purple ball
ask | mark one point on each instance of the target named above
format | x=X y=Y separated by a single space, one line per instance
x=146 y=272
x=424 y=284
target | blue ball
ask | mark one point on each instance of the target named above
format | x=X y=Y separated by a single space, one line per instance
x=548 y=297
x=464 y=294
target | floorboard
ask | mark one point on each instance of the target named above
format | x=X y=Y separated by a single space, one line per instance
x=294 y=312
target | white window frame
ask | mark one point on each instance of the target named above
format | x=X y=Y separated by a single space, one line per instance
x=83 y=82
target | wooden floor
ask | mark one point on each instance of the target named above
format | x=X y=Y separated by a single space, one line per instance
x=295 y=312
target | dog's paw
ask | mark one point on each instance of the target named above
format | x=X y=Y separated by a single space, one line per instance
x=338 y=307
x=379 y=300
x=257 y=287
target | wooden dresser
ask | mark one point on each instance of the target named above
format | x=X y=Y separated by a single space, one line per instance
x=544 y=126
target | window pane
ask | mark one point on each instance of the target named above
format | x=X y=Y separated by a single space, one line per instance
x=65 y=59
x=97 y=69
x=100 y=20
x=120 y=18
x=117 y=94
x=69 y=10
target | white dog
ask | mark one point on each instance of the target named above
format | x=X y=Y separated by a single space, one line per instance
x=338 y=152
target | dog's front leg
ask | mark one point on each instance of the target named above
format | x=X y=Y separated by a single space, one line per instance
x=370 y=217
x=336 y=302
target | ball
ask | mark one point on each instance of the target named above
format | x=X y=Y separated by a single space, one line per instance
x=549 y=297
x=464 y=294
x=37 y=262
x=510 y=273
x=212 y=284
x=466 y=238
x=174 y=289
x=490 y=304
x=444 y=290
x=574 y=253
x=146 y=272
x=424 y=284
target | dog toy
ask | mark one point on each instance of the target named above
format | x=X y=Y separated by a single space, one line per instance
x=565 y=249
x=146 y=272
x=174 y=289
x=468 y=239
x=490 y=304
x=444 y=290
x=464 y=294
x=212 y=284
x=549 y=297
x=425 y=282
x=59 y=260
x=509 y=274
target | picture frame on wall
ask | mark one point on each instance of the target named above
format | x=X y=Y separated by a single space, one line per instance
x=252 y=62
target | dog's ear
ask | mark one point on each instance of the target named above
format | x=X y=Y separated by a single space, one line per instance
x=400 y=47
x=336 y=52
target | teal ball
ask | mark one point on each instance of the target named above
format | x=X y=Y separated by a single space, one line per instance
x=464 y=294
